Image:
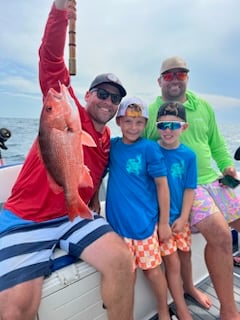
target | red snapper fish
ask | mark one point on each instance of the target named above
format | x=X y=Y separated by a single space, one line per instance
x=61 y=141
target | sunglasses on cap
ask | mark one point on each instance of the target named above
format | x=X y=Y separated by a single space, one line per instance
x=172 y=125
x=103 y=94
x=169 y=76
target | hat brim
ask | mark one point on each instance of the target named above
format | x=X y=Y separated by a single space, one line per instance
x=122 y=91
x=172 y=68
x=119 y=87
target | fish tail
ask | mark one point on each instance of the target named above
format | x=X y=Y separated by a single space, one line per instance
x=77 y=207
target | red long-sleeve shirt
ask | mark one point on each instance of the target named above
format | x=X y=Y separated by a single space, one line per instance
x=32 y=198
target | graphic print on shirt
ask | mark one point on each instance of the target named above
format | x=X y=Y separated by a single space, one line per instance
x=177 y=169
x=134 y=165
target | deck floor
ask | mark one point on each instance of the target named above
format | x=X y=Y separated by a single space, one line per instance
x=198 y=313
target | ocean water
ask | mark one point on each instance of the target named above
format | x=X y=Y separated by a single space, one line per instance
x=24 y=131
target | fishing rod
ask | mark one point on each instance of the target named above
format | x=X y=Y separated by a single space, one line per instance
x=5 y=134
x=72 y=17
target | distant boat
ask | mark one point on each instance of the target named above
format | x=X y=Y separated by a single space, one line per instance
x=5 y=134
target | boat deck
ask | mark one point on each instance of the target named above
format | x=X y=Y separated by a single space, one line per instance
x=199 y=313
x=206 y=286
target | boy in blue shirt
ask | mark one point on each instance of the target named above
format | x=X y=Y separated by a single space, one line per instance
x=137 y=203
x=182 y=180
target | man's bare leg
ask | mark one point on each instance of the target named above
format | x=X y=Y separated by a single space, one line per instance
x=110 y=255
x=21 y=302
x=218 y=257
x=187 y=277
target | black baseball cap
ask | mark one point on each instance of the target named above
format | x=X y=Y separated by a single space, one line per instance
x=111 y=79
x=172 y=108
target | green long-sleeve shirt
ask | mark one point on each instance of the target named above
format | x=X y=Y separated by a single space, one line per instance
x=202 y=136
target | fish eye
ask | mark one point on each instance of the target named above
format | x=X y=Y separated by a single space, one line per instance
x=48 y=108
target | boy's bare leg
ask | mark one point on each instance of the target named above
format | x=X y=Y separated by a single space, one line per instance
x=158 y=284
x=175 y=285
x=187 y=277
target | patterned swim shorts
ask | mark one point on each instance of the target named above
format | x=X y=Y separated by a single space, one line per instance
x=179 y=241
x=146 y=253
x=211 y=198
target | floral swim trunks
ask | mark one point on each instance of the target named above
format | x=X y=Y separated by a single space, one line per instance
x=211 y=198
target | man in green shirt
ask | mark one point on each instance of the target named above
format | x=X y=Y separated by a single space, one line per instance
x=215 y=207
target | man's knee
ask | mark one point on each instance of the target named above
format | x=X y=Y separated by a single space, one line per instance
x=18 y=306
x=123 y=258
x=215 y=230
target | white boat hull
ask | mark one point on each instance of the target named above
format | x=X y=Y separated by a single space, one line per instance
x=73 y=292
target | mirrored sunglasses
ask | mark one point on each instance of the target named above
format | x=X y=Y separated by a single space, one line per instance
x=172 y=125
x=180 y=75
x=103 y=94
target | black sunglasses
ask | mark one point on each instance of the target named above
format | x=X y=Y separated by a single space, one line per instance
x=104 y=94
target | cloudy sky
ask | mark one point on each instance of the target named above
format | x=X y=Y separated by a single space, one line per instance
x=129 y=38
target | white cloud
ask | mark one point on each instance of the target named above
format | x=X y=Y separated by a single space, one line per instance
x=130 y=38
x=221 y=101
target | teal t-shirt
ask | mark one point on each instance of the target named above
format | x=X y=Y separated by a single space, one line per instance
x=202 y=136
x=131 y=201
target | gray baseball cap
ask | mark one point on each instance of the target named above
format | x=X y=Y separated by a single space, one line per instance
x=111 y=79
x=173 y=63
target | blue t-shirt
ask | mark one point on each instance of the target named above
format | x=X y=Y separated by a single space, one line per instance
x=131 y=202
x=182 y=174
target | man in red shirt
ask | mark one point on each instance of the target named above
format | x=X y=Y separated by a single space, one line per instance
x=34 y=219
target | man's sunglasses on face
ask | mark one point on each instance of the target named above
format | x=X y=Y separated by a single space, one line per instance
x=172 y=125
x=103 y=94
x=169 y=75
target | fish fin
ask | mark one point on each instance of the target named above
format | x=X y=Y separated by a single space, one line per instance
x=39 y=153
x=52 y=183
x=86 y=179
x=79 y=208
x=56 y=188
x=87 y=140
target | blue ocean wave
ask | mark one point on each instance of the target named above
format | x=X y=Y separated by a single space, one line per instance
x=24 y=131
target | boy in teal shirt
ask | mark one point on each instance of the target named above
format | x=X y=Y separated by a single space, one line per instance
x=137 y=202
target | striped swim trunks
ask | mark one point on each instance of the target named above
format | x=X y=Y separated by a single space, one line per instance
x=26 y=248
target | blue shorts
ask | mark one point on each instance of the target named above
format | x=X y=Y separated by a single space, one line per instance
x=26 y=248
